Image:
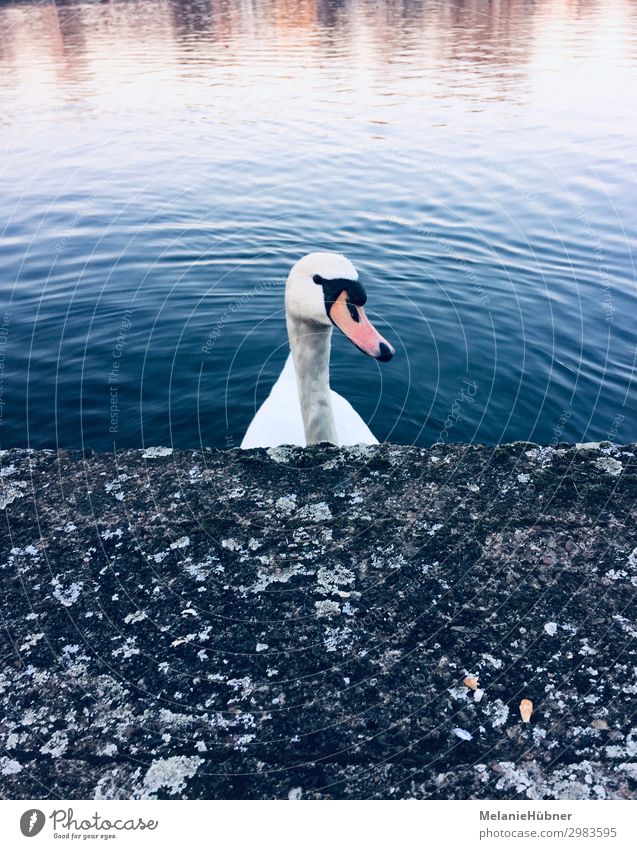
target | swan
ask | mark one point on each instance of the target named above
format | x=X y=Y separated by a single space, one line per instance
x=322 y=291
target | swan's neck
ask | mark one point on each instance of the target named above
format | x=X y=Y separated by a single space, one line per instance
x=310 y=346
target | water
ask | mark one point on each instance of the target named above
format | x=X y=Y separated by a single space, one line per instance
x=165 y=163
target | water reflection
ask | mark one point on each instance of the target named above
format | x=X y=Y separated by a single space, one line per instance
x=494 y=35
x=475 y=157
x=463 y=48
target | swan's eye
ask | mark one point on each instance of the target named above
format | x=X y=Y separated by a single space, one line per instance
x=333 y=288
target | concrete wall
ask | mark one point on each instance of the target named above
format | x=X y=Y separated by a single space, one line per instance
x=300 y=622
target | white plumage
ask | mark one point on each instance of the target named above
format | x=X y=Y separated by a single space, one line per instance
x=322 y=291
x=278 y=421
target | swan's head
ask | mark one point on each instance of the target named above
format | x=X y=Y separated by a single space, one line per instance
x=323 y=289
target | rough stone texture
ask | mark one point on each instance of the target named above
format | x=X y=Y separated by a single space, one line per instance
x=298 y=623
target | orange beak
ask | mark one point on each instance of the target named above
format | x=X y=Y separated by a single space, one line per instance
x=352 y=321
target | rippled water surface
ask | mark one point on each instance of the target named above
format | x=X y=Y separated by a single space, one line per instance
x=164 y=164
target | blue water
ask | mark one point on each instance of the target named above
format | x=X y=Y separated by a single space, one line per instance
x=165 y=163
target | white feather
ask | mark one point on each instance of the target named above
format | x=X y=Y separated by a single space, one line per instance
x=278 y=420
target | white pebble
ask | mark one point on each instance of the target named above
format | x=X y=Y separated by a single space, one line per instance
x=464 y=735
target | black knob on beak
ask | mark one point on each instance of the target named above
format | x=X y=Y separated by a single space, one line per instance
x=386 y=353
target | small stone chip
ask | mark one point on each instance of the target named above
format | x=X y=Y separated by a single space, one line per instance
x=463 y=734
x=526 y=709
x=156 y=451
x=471 y=682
